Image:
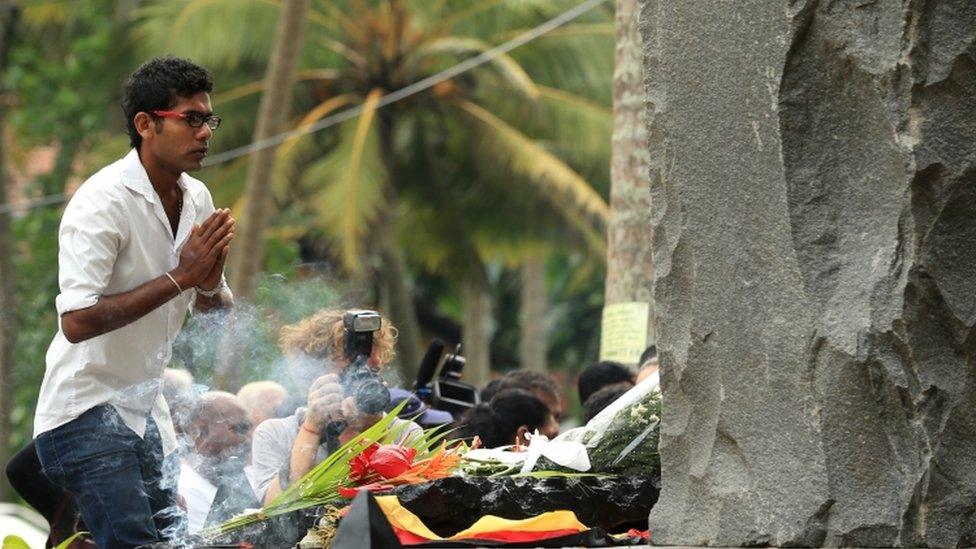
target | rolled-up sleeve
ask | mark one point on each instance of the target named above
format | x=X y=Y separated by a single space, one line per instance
x=92 y=232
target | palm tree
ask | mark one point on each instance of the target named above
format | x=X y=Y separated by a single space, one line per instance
x=272 y=114
x=275 y=101
x=630 y=271
x=359 y=182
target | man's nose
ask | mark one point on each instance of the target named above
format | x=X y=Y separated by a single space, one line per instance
x=204 y=133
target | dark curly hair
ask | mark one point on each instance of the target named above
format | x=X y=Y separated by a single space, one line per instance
x=497 y=422
x=521 y=379
x=157 y=84
x=601 y=374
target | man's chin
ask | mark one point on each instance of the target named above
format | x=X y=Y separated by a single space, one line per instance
x=195 y=162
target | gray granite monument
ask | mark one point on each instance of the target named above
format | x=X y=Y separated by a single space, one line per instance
x=813 y=188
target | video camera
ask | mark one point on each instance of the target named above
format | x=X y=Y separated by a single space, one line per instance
x=358 y=379
x=447 y=392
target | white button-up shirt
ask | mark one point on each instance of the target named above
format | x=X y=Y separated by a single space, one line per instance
x=115 y=236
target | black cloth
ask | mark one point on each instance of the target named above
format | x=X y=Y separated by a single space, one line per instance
x=56 y=505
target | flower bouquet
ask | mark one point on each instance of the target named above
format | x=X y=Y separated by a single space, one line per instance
x=369 y=461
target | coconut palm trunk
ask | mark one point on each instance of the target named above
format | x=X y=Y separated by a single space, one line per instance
x=476 y=335
x=8 y=326
x=395 y=288
x=534 y=332
x=248 y=249
x=630 y=272
x=398 y=297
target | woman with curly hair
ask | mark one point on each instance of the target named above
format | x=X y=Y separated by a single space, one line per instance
x=285 y=449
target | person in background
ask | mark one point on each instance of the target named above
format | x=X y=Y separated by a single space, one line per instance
x=600 y=375
x=263 y=400
x=649 y=364
x=139 y=244
x=55 y=504
x=490 y=390
x=507 y=418
x=212 y=480
x=180 y=396
x=542 y=385
x=602 y=398
x=285 y=449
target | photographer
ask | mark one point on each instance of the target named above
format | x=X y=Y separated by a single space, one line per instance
x=338 y=355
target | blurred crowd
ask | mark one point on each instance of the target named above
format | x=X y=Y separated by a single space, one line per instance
x=239 y=451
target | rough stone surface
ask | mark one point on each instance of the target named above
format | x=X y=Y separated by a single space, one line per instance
x=814 y=237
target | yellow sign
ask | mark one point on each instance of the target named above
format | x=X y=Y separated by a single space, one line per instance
x=623 y=336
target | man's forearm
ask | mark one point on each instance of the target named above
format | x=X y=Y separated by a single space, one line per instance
x=112 y=312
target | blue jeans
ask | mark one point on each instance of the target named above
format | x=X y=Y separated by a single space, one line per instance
x=116 y=477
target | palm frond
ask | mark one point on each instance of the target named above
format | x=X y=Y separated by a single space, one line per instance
x=321 y=111
x=473 y=11
x=257 y=86
x=524 y=157
x=187 y=29
x=507 y=66
x=569 y=31
x=190 y=9
x=581 y=65
x=579 y=129
x=351 y=178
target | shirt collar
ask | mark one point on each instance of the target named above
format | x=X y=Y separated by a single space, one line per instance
x=134 y=176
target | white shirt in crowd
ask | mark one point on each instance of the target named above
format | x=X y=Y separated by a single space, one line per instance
x=198 y=494
x=115 y=236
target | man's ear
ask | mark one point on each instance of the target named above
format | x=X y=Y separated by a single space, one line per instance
x=520 y=435
x=145 y=125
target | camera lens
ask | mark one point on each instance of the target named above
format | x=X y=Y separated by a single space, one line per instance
x=367 y=388
x=372 y=397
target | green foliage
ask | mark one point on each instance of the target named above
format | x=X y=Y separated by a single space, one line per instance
x=15 y=542
x=66 y=67
x=36 y=267
x=358 y=46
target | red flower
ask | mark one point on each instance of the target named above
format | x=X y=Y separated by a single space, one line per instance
x=359 y=465
x=391 y=460
x=387 y=461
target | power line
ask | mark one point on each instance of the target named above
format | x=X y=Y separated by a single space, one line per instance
x=40 y=202
x=338 y=118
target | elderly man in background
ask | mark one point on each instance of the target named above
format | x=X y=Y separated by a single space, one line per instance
x=212 y=480
x=263 y=400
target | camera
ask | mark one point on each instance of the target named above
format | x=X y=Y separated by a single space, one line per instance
x=449 y=392
x=358 y=379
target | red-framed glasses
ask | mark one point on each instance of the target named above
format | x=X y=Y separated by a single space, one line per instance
x=194 y=119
